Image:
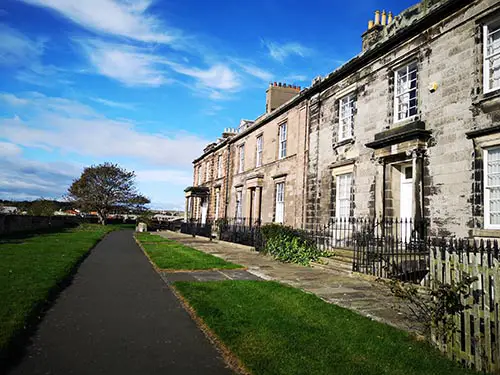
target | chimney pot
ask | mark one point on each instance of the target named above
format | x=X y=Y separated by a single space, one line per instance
x=383 y=21
x=377 y=17
x=370 y=24
x=279 y=84
x=389 y=18
x=275 y=84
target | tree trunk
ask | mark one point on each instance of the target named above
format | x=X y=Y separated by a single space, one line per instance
x=101 y=215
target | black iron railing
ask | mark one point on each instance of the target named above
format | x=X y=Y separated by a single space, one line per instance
x=391 y=248
x=197 y=228
x=244 y=231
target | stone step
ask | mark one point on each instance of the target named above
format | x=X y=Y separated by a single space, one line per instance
x=343 y=253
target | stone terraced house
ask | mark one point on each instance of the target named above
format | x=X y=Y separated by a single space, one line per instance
x=409 y=128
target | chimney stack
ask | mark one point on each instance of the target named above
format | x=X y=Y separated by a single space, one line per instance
x=278 y=94
x=376 y=29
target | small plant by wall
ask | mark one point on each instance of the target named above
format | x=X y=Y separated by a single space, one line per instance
x=289 y=245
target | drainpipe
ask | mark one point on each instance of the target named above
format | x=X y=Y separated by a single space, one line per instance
x=305 y=165
x=228 y=168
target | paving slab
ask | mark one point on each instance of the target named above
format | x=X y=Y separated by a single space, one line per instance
x=119 y=317
x=346 y=289
x=212 y=275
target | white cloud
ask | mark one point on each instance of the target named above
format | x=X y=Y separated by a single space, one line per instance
x=257 y=72
x=13 y=100
x=218 y=76
x=29 y=179
x=38 y=101
x=280 y=52
x=126 y=18
x=16 y=49
x=296 y=78
x=113 y=104
x=129 y=65
x=9 y=149
x=71 y=127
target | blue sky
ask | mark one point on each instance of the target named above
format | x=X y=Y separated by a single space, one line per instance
x=147 y=84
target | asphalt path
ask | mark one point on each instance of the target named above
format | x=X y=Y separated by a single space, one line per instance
x=119 y=317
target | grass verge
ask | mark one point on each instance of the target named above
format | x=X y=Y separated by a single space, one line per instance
x=34 y=268
x=275 y=329
x=170 y=255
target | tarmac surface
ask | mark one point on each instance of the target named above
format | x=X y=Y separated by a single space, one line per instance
x=119 y=317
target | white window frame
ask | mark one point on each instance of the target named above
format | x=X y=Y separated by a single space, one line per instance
x=347 y=109
x=399 y=98
x=282 y=135
x=258 y=156
x=487 y=191
x=241 y=164
x=279 y=209
x=199 y=175
x=207 y=171
x=339 y=198
x=217 y=202
x=219 y=166
x=487 y=55
x=239 y=205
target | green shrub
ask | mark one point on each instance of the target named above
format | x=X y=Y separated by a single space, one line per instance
x=290 y=245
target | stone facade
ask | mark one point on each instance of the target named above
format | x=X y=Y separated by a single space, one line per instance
x=401 y=130
x=258 y=181
x=210 y=181
x=443 y=39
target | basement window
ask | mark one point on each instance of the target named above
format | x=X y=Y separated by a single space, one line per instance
x=491 y=64
x=406 y=89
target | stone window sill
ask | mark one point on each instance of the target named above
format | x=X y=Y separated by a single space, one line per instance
x=349 y=141
x=489 y=233
x=488 y=102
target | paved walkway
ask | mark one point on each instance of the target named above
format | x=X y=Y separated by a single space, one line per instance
x=119 y=317
x=367 y=297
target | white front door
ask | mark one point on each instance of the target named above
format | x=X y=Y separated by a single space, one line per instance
x=204 y=210
x=406 y=200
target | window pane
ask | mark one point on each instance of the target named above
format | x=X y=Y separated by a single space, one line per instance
x=346 y=117
x=493 y=184
x=406 y=92
x=343 y=195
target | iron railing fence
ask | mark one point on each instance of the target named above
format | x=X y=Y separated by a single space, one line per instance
x=391 y=248
x=245 y=231
x=197 y=228
x=385 y=247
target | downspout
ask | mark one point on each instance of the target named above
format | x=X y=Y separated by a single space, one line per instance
x=228 y=168
x=306 y=165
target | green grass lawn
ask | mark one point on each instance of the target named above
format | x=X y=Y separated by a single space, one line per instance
x=275 y=329
x=145 y=237
x=171 y=255
x=33 y=267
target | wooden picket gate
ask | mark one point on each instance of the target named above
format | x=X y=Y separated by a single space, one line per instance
x=475 y=343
